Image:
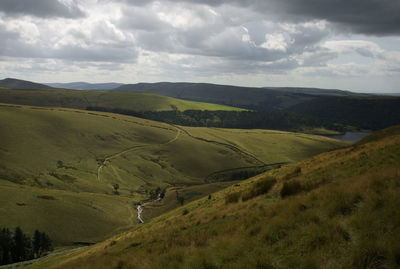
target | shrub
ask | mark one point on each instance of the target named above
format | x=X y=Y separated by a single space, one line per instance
x=46 y=197
x=232 y=197
x=291 y=188
x=296 y=172
x=259 y=188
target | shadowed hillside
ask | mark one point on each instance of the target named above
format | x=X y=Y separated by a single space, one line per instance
x=246 y=97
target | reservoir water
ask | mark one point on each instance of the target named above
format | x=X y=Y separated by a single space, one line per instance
x=350 y=136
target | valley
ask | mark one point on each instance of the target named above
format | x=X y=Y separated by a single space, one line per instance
x=336 y=209
x=210 y=134
x=59 y=167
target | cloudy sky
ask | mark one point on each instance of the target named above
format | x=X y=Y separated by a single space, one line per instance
x=344 y=44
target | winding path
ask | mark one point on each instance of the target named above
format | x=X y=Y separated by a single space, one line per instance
x=108 y=158
x=230 y=146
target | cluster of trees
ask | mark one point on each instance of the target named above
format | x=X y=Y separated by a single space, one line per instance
x=157 y=193
x=332 y=112
x=17 y=246
x=179 y=198
x=370 y=113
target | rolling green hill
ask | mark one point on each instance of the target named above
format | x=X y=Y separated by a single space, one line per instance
x=336 y=210
x=107 y=99
x=58 y=166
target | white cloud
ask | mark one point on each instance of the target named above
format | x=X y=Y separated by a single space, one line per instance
x=275 y=41
x=362 y=47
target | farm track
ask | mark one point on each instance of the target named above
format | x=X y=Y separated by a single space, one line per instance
x=108 y=158
x=231 y=147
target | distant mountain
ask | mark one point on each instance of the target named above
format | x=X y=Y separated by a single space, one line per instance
x=86 y=86
x=13 y=83
x=245 y=97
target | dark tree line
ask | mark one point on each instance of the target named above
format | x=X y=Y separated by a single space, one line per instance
x=17 y=246
x=334 y=113
x=272 y=119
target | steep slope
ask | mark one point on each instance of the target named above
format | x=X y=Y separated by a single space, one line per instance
x=22 y=84
x=58 y=167
x=335 y=210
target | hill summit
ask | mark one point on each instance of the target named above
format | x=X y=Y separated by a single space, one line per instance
x=13 y=83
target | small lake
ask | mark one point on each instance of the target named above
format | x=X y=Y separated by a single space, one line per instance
x=350 y=136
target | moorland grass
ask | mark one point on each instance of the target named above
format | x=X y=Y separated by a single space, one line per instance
x=349 y=219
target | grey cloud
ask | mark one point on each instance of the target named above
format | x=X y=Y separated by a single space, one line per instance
x=40 y=8
x=141 y=20
x=371 y=17
x=95 y=54
x=375 y=17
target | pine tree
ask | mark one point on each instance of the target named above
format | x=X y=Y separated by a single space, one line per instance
x=18 y=250
x=37 y=243
x=46 y=244
x=6 y=244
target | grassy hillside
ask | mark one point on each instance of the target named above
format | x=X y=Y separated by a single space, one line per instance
x=335 y=210
x=59 y=162
x=106 y=99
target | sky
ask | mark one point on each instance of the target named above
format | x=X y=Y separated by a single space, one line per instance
x=336 y=44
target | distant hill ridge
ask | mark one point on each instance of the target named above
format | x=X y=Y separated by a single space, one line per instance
x=86 y=86
x=13 y=83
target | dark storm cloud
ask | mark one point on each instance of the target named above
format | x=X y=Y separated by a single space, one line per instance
x=371 y=17
x=375 y=17
x=40 y=8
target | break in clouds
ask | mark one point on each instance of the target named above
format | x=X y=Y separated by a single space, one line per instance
x=348 y=44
